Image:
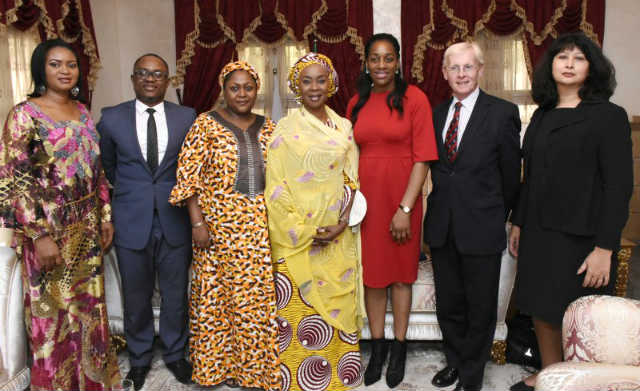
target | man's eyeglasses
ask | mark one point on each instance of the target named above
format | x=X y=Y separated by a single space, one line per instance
x=142 y=73
x=465 y=68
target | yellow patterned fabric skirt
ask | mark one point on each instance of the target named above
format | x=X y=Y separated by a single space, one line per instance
x=314 y=356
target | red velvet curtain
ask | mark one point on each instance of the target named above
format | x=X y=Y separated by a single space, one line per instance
x=430 y=26
x=207 y=33
x=69 y=20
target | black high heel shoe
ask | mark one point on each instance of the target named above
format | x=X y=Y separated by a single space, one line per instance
x=397 y=359
x=378 y=357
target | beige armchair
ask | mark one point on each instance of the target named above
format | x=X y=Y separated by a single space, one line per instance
x=601 y=339
x=14 y=373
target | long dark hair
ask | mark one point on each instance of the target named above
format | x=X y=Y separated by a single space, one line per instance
x=599 y=84
x=38 y=73
x=363 y=85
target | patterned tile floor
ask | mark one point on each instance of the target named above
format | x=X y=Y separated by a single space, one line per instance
x=423 y=361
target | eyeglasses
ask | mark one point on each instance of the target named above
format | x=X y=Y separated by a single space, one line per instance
x=142 y=73
x=465 y=68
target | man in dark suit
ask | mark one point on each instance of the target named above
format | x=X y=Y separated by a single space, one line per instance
x=140 y=141
x=475 y=184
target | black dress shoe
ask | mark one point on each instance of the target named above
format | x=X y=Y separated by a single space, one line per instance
x=397 y=359
x=181 y=369
x=459 y=387
x=378 y=357
x=137 y=375
x=445 y=377
x=521 y=386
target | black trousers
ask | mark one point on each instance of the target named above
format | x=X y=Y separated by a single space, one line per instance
x=466 y=307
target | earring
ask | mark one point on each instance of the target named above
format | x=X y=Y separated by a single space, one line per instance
x=41 y=89
x=397 y=71
x=75 y=91
x=366 y=70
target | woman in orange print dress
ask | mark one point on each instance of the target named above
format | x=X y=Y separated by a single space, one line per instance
x=221 y=178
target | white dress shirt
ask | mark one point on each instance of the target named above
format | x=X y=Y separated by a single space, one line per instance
x=142 y=118
x=465 y=113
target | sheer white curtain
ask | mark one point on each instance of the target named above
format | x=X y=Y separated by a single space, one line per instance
x=16 y=48
x=505 y=71
x=272 y=62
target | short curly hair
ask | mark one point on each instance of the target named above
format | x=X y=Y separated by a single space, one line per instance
x=599 y=84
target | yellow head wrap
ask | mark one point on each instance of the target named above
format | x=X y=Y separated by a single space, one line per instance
x=310 y=59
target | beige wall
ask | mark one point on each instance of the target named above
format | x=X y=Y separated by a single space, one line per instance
x=126 y=29
x=621 y=45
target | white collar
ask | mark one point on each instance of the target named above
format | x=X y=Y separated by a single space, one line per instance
x=141 y=107
x=469 y=101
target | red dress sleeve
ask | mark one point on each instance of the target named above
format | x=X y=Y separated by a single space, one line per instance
x=424 y=146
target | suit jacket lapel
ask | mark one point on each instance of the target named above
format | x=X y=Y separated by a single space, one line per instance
x=172 y=141
x=480 y=111
x=440 y=117
x=134 y=133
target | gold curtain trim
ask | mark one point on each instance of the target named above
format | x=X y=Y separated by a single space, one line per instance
x=481 y=24
x=189 y=47
x=354 y=38
x=88 y=42
x=549 y=28
x=424 y=39
x=587 y=27
x=315 y=18
x=461 y=24
x=228 y=31
x=45 y=20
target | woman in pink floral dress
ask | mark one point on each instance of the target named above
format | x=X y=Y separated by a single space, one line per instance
x=54 y=194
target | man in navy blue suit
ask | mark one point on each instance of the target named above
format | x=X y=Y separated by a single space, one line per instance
x=140 y=141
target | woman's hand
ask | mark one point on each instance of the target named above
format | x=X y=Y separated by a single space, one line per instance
x=201 y=236
x=47 y=253
x=327 y=234
x=597 y=265
x=514 y=240
x=400 y=227
x=106 y=237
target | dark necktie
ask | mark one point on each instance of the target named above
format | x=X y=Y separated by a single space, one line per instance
x=451 y=139
x=152 y=142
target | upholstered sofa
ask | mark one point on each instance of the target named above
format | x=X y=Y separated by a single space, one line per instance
x=14 y=374
x=423 y=324
x=601 y=339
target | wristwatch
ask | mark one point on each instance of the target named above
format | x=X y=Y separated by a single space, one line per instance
x=405 y=209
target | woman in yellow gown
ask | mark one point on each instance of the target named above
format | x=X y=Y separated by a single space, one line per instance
x=311 y=175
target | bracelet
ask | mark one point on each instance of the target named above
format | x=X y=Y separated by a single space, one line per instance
x=198 y=224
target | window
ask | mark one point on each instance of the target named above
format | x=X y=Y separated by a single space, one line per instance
x=505 y=71
x=272 y=62
x=16 y=48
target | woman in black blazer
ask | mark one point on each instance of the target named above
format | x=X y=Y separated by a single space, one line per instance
x=578 y=179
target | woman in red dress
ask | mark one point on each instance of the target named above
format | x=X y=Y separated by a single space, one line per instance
x=394 y=131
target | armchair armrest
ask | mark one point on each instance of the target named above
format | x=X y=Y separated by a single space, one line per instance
x=582 y=376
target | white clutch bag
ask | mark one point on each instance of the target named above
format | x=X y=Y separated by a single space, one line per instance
x=358 y=209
